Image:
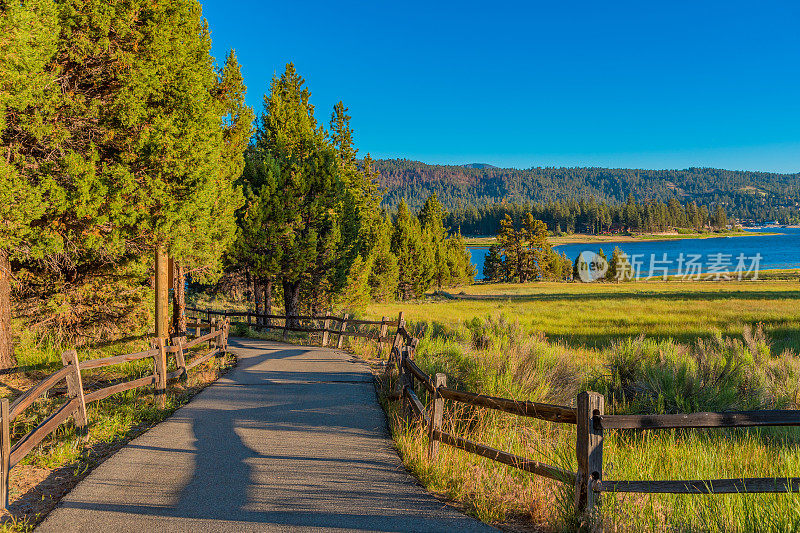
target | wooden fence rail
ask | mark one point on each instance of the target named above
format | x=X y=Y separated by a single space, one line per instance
x=591 y=421
x=381 y=336
x=588 y=416
x=77 y=397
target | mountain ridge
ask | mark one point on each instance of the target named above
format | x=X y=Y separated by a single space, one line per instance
x=746 y=195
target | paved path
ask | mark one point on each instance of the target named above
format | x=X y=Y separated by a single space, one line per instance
x=291 y=439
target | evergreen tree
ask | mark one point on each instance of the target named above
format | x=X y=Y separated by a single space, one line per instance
x=493 y=264
x=125 y=152
x=384 y=272
x=257 y=250
x=459 y=261
x=431 y=218
x=414 y=255
x=27 y=90
x=619 y=268
x=307 y=183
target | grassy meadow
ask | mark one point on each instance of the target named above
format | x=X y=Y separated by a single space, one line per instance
x=654 y=347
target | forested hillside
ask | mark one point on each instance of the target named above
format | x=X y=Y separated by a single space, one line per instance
x=758 y=196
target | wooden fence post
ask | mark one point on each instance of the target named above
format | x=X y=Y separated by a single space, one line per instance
x=435 y=421
x=401 y=379
x=5 y=450
x=382 y=333
x=161 y=374
x=398 y=337
x=340 y=341
x=589 y=448
x=407 y=385
x=326 y=326
x=180 y=358
x=75 y=387
x=225 y=335
x=412 y=348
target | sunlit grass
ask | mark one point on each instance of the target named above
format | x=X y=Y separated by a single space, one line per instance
x=111 y=421
x=560 y=339
x=596 y=315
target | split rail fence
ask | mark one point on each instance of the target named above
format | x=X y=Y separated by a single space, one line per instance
x=588 y=416
x=78 y=396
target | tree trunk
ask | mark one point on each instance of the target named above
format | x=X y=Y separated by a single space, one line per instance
x=7 y=359
x=258 y=294
x=249 y=289
x=291 y=302
x=268 y=301
x=179 y=300
x=162 y=292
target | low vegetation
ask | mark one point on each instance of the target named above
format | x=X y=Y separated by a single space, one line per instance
x=67 y=455
x=696 y=355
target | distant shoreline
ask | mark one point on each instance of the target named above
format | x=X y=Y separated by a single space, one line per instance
x=582 y=238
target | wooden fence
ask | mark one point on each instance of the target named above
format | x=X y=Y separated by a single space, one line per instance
x=588 y=416
x=78 y=397
x=326 y=325
x=591 y=422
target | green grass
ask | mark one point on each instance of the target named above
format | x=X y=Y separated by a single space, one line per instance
x=595 y=315
x=111 y=422
x=648 y=347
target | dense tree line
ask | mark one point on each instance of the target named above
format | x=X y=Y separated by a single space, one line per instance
x=745 y=195
x=118 y=136
x=311 y=229
x=591 y=216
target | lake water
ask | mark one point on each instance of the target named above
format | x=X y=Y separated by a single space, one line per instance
x=767 y=251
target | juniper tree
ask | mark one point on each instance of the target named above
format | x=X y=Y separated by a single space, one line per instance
x=307 y=182
x=431 y=218
x=28 y=42
x=210 y=233
x=414 y=254
x=124 y=147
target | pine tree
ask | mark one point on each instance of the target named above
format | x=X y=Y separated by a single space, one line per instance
x=257 y=250
x=493 y=264
x=619 y=268
x=414 y=255
x=125 y=151
x=459 y=261
x=431 y=218
x=307 y=183
x=27 y=88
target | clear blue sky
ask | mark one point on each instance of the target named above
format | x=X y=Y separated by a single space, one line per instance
x=619 y=84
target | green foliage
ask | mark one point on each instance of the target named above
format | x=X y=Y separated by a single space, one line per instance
x=619 y=268
x=384 y=274
x=415 y=258
x=117 y=133
x=523 y=254
x=469 y=192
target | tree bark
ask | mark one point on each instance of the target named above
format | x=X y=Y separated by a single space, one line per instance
x=249 y=289
x=7 y=359
x=179 y=300
x=268 y=301
x=291 y=302
x=258 y=294
x=162 y=292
